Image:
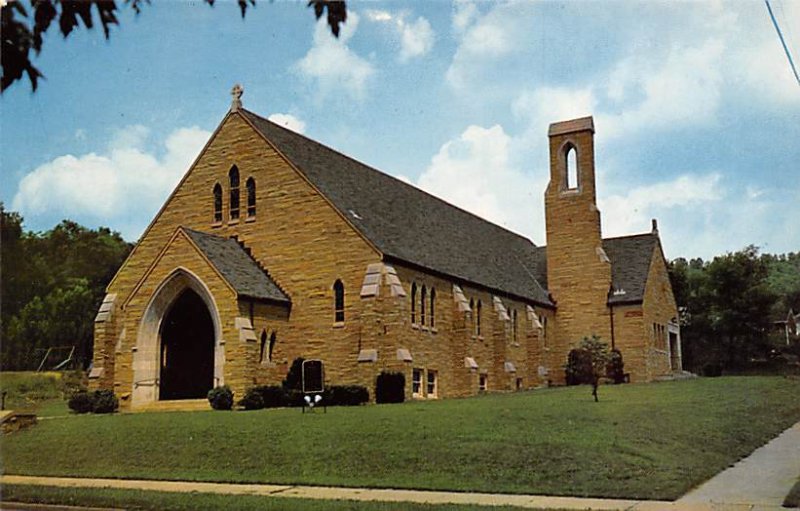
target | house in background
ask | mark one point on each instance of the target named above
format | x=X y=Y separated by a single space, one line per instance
x=274 y=246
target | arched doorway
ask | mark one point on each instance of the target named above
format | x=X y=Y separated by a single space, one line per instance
x=147 y=351
x=187 y=349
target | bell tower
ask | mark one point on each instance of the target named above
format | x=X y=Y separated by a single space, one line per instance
x=578 y=269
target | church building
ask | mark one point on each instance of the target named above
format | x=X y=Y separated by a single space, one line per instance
x=274 y=246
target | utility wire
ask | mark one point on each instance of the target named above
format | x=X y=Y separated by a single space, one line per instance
x=780 y=36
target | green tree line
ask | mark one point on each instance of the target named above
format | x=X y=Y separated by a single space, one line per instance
x=729 y=305
x=52 y=285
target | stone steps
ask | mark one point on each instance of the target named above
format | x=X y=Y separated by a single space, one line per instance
x=182 y=405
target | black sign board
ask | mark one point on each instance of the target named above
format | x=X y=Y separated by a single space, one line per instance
x=313 y=376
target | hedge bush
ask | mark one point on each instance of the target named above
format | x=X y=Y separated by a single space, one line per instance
x=99 y=401
x=221 y=398
x=252 y=399
x=104 y=401
x=616 y=368
x=390 y=388
x=273 y=396
x=80 y=402
x=345 y=395
x=578 y=370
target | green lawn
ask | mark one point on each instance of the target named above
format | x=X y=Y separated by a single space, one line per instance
x=167 y=501
x=640 y=441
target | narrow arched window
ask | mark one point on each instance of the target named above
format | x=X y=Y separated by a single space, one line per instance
x=571 y=173
x=478 y=319
x=251 y=197
x=263 y=349
x=338 y=301
x=233 y=175
x=272 y=341
x=514 y=324
x=433 y=307
x=217 y=203
x=472 y=313
x=422 y=297
x=413 y=303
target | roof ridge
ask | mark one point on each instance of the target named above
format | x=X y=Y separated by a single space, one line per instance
x=640 y=235
x=385 y=174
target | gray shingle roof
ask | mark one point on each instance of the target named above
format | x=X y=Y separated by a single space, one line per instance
x=630 y=263
x=410 y=225
x=237 y=267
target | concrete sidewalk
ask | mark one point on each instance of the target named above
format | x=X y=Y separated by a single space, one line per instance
x=384 y=495
x=762 y=479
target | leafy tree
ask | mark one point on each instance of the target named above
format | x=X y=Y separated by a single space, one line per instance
x=588 y=363
x=725 y=308
x=52 y=285
x=23 y=33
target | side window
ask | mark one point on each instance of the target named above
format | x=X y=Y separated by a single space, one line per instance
x=217 y=203
x=433 y=308
x=413 y=303
x=422 y=297
x=338 y=301
x=478 y=319
x=233 y=176
x=251 y=197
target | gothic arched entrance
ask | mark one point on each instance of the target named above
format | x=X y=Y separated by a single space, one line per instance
x=187 y=349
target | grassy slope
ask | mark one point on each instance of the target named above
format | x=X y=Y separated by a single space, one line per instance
x=640 y=441
x=31 y=392
x=167 y=501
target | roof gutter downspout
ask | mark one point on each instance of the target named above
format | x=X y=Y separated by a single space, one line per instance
x=611 y=314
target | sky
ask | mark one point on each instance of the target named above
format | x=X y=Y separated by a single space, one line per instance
x=696 y=110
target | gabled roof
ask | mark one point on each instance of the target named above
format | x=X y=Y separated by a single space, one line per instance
x=237 y=267
x=630 y=265
x=408 y=224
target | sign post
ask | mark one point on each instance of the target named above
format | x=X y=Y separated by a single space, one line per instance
x=313 y=384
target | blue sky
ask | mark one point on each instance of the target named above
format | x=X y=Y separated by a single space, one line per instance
x=696 y=110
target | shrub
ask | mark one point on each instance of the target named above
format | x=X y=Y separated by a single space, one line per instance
x=252 y=399
x=616 y=368
x=273 y=396
x=390 y=388
x=294 y=398
x=80 y=402
x=345 y=395
x=221 y=398
x=294 y=378
x=104 y=401
x=579 y=367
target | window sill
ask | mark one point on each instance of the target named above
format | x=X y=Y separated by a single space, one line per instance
x=434 y=330
x=233 y=222
x=415 y=326
x=250 y=220
x=216 y=224
x=515 y=344
x=338 y=324
x=480 y=338
x=425 y=329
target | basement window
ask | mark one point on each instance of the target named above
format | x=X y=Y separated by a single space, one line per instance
x=433 y=384
x=416 y=383
x=483 y=383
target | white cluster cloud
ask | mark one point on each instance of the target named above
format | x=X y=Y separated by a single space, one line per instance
x=662 y=85
x=288 y=121
x=124 y=186
x=416 y=37
x=477 y=172
x=332 y=65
